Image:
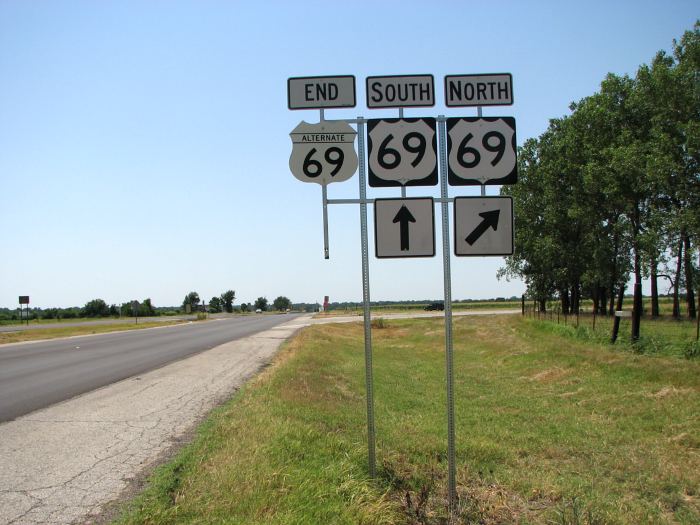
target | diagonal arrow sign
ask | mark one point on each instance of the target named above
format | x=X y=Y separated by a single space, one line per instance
x=490 y=220
x=404 y=217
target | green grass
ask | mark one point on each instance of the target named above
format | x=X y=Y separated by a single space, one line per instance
x=418 y=307
x=54 y=332
x=9 y=322
x=550 y=429
x=661 y=336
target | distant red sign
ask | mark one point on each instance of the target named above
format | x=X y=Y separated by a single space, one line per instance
x=23 y=299
x=325 y=303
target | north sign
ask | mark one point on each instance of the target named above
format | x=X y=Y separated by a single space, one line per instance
x=321 y=92
x=483 y=226
x=478 y=90
x=402 y=152
x=400 y=91
x=323 y=152
x=404 y=228
x=481 y=150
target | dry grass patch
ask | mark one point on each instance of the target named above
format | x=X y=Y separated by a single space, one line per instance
x=550 y=430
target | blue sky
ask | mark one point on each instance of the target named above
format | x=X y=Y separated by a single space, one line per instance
x=144 y=146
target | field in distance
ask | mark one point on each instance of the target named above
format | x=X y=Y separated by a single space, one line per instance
x=54 y=330
x=550 y=429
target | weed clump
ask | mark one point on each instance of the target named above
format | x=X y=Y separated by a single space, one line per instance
x=379 y=323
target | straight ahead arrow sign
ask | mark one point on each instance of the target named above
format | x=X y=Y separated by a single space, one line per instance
x=404 y=217
x=490 y=220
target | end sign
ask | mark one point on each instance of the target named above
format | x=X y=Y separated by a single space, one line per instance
x=321 y=92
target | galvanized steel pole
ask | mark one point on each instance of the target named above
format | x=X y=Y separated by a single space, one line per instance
x=365 y=297
x=451 y=460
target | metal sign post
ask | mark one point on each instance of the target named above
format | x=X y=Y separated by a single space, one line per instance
x=23 y=300
x=369 y=380
x=447 y=280
x=402 y=152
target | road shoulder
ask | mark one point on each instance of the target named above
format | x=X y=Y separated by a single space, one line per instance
x=65 y=463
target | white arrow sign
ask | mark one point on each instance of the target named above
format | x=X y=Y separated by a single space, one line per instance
x=402 y=152
x=323 y=152
x=483 y=226
x=404 y=227
x=481 y=150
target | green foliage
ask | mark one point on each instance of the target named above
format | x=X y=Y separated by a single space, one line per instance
x=611 y=188
x=692 y=350
x=379 y=323
x=261 y=304
x=227 y=299
x=95 y=308
x=192 y=299
x=245 y=307
x=215 y=305
x=145 y=308
x=281 y=303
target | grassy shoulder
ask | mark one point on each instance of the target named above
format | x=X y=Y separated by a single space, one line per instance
x=550 y=429
x=414 y=308
x=54 y=332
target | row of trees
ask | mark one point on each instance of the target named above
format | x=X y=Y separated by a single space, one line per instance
x=99 y=308
x=613 y=190
x=221 y=303
x=224 y=302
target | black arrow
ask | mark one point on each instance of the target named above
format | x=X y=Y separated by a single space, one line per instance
x=490 y=220
x=404 y=217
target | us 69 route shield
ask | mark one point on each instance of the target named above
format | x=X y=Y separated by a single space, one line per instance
x=481 y=150
x=402 y=152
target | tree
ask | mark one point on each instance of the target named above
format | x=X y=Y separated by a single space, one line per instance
x=282 y=303
x=95 y=308
x=245 y=307
x=227 y=299
x=192 y=299
x=146 y=309
x=215 y=305
x=261 y=304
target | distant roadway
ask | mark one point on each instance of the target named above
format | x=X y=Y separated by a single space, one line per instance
x=36 y=375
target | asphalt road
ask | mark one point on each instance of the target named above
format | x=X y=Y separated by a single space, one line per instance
x=37 y=375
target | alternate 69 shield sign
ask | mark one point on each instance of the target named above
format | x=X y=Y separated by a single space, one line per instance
x=323 y=152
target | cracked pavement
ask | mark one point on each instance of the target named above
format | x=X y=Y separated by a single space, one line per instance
x=64 y=463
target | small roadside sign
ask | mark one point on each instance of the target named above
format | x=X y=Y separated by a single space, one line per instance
x=481 y=150
x=402 y=152
x=483 y=226
x=321 y=92
x=494 y=89
x=400 y=91
x=404 y=228
x=23 y=299
x=323 y=152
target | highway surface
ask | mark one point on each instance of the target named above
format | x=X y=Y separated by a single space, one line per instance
x=36 y=375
